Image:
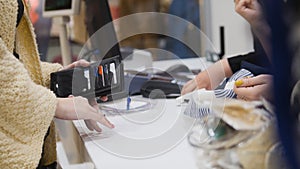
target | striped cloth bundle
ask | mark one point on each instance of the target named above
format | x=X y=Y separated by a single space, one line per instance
x=198 y=109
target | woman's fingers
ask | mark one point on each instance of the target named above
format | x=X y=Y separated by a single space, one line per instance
x=79 y=108
x=77 y=63
x=94 y=103
x=92 y=125
x=97 y=117
x=103 y=120
x=89 y=110
x=92 y=117
x=89 y=125
x=100 y=117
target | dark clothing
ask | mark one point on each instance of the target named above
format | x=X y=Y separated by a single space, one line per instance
x=97 y=16
x=19 y=16
x=20 y=11
x=258 y=58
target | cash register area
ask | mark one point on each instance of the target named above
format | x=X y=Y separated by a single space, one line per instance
x=155 y=130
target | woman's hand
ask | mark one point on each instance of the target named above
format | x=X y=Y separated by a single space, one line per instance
x=77 y=108
x=77 y=63
x=74 y=108
x=254 y=88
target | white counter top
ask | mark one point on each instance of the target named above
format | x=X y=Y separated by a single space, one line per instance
x=148 y=140
x=151 y=139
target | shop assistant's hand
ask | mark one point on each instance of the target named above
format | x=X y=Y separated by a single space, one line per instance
x=251 y=11
x=209 y=78
x=254 y=88
x=200 y=81
x=190 y=86
x=79 y=108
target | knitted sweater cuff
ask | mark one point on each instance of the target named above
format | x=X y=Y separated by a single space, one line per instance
x=47 y=69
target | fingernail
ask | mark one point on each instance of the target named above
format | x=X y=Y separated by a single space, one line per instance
x=239 y=82
x=104 y=98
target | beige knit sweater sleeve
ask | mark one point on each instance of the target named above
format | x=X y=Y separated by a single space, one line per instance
x=26 y=109
x=47 y=69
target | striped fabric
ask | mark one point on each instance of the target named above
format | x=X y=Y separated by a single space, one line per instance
x=228 y=92
x=199 y=110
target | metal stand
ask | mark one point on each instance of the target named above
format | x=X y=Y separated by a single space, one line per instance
x=64 y=41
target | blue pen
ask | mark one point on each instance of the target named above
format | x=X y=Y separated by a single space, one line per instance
x=128 y=102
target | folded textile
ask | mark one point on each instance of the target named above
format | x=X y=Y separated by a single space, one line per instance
x=199 y=103
x=228 y=92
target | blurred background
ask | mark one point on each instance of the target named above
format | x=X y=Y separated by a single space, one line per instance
x=207 y=15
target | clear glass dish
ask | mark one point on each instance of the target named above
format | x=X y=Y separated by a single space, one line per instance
x=217 y=145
